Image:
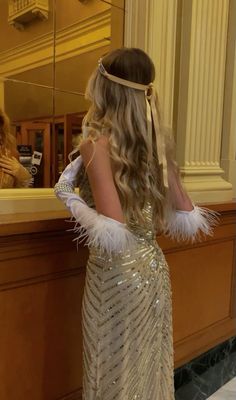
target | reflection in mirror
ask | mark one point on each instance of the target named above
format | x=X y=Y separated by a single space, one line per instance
x=45 y=64
x=29 y=108
x=26 y=76
x=27 y=40
x=90 y=33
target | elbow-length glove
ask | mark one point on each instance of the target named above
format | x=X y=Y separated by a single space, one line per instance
x=96 y=229
x=180 y=223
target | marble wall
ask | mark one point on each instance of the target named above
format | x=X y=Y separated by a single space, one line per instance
x=204 y=375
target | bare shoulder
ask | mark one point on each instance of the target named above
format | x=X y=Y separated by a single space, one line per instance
x=94 y=150
x=97 y=161
x=89 y=142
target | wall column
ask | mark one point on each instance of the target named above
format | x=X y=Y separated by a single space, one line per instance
x=228 y=151
x=152 y=27
x=201 y=98
x=187 y=39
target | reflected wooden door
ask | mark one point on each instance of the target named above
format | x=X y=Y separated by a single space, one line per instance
x=72 y=128
x=65 y=137
x=38 y=135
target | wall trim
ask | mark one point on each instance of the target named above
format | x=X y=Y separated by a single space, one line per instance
x=19 y=200
x=86 y=35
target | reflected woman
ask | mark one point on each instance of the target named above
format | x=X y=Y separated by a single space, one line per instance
x=12 y=173
x=130 y=190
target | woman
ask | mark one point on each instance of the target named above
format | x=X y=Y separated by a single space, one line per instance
x=130 y=190
x=12 y=173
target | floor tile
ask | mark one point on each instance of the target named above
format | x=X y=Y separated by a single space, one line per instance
x=226 y=392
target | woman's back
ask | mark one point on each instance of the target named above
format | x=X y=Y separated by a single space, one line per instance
x=146 y=228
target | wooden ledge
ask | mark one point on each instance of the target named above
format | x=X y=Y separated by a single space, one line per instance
x=18 y=223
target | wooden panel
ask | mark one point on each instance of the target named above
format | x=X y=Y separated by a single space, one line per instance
x=204 y=288
x=200 y=289
x=41 y=289
x=40 y=339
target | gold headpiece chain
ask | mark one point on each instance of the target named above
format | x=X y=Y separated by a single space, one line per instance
x=151 y=112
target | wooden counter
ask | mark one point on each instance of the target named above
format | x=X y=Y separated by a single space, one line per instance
x=41 y=287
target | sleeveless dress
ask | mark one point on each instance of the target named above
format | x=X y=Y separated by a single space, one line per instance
x=127 y=318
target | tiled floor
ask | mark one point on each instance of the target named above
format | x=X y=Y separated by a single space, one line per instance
x=226 y=392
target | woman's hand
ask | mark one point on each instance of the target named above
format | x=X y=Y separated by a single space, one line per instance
x=11 y=166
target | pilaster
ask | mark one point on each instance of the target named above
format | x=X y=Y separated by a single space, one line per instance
x=187 y=40
x=153 y=29
x=201 y=99
x=228 y=150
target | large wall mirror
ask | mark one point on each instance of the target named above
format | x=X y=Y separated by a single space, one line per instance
x=47 y=52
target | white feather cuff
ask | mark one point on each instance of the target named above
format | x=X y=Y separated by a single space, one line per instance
x=100 y=231
x=93 y=229
x=185 y=225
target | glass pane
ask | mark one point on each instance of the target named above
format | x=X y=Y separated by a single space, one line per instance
x=37 y=143
x=29 y=109
x=82 y=32
x=67 y=134
x=26 y=82
x=27 y=50
x=92 y=28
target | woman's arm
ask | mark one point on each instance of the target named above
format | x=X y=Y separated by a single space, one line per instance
x=184 y=219
x=177 y=194
x=103 y=227
x=97 y=162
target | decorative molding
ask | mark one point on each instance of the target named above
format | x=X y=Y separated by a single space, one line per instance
x=18 y=200
x=86 y=35
x=23 y=12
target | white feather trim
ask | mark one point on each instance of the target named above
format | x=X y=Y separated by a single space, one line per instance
x=100 y=231
x=185 y=225
x=95 y=229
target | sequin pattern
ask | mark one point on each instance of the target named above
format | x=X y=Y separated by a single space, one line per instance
x=127 y=321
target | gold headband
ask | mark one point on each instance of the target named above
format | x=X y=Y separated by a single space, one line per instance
x=151 y=112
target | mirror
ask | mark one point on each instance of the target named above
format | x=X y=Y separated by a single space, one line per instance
x=45 y=61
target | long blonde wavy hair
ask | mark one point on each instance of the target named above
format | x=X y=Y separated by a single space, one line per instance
x=7 y=140
x=119 y=112
x=7 y=146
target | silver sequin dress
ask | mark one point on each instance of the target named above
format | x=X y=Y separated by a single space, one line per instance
x=127 y=319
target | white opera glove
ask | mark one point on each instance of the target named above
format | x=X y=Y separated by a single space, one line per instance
x=188 y=225
x=99 y=231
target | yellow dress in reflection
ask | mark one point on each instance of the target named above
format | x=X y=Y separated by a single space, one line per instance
x=127 y=319
x=7 y=181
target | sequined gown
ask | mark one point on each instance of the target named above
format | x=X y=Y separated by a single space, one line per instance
x=127 y=319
